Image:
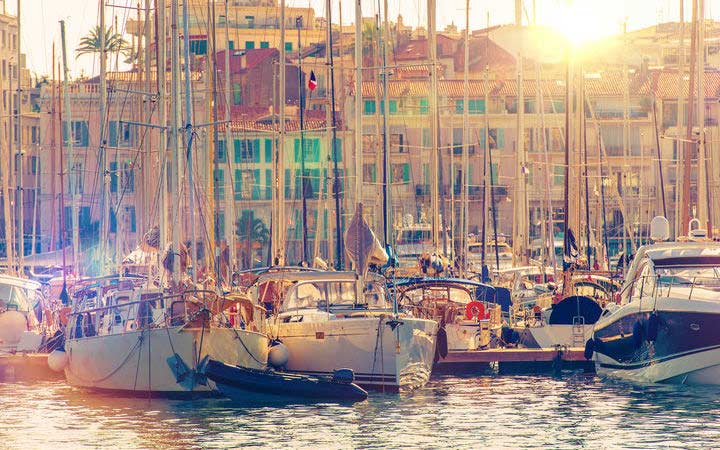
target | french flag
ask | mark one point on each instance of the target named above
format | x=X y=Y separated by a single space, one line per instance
x=312 y=84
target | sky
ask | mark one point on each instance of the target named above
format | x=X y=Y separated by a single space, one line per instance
x=580 y=19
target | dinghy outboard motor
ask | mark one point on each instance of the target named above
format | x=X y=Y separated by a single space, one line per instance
x=346 y=376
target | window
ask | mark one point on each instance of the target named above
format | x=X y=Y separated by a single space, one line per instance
x=497 y=138
x=237 y=93
x=78 y=131
x=220 y=226
x=288 y=46
x=231 y=45
x=79 y=177
x=397 y=142
x=312 y=150
x=392 y=106
x=35 y=135
x=424 y=106
x=220 y=151
x=426 y=137
x=400 y=173
x=475 y=106
x=130 y=218
x=244 y=184
x=128 y=179
x=219 y=180
x=369 y=173
x=494 y=174
x=198 y=47
x=249 y=45
x=369 y=107
x=113 y=177
x=250 y=21
x=558 y=175
x=264 y=44
x=247 y=150
x=34 y=165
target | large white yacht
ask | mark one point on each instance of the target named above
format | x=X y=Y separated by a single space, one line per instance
x=665 y=329
x=333 y=320
x=123 y=336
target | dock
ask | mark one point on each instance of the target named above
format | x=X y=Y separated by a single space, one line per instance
x=26 y=367
x=517 y=360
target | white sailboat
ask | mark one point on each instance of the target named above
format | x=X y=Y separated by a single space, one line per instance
x=332 y=320
x=135 y=334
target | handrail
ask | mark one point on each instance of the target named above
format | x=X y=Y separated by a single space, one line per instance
x=672 y=285
x=159 y=297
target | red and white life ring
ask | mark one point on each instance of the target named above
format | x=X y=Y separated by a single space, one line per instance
x=474 y=309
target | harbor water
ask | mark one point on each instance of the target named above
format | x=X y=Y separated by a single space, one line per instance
x=470 y=411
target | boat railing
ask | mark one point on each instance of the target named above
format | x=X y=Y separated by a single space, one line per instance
x=654 y=286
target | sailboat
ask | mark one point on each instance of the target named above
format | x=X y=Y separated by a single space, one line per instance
x=325 y=321
x=135 y=334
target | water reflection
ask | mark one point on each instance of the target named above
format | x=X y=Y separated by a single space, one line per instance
x=451 y=411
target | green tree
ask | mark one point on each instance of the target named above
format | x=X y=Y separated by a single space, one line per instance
x=114 y=42
x=254 y=234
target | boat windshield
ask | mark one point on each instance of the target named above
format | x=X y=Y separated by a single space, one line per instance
x=685 y=276
x=437 y=294
x=333 y=295
x=12 y=297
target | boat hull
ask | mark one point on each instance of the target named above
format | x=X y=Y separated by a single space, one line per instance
x=549 y=336
x=144 y=362
x=685 y=348
x=382 y=352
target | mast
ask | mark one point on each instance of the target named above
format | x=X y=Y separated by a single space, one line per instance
x=189 y=133
x=689 y=141
x=566 y=190
x=161 y=67
x=229 y=194
x=212 y=156
x=303 y=178
x=62 y=193
x=20 y=202
x=5 y=162
x=387 y=199
x=433 y=107
x=339 y=254
x=103 y=163
x=71 y=164
x=465 y=180
x=583 y=118
x=519 y=222
x=679 y=192
x=704 y=150
x=659 y=157
x=174 y=131
x=359 y=172
x=279 y=222
x=53 y=142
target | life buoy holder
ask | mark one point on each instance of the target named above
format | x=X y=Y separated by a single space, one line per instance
x=474 y=309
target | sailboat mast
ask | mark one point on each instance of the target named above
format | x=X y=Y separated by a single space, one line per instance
x=339 y=254
x=161 y=69
x=566 y=184
x=303 y=177
x=520 y=205
x=5 y=161
x=359 y=172
x=465 y=180
x=689 y=142
x=103 y=162
x=279 y=222
x=583 y=118
x=174 y=131
x=433 y=107
x=71 y=164
x=387 y=192
x=229 y=195
x=20 y=203
x=189 y=133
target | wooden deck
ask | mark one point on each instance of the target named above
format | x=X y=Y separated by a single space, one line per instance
x=509 y=360
x=26 y=367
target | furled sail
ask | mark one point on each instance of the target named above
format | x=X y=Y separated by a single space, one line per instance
x=362 y=247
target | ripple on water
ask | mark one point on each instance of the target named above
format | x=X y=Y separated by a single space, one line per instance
x=451 y=411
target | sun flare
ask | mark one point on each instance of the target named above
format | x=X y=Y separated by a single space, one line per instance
x=583 y=21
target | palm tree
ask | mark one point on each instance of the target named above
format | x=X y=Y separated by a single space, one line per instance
x=114 y=42
x=250 y=230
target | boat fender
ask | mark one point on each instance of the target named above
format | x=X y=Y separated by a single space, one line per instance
x=345 y=376
x=652 y=327
x=637 y=334
x=57 y=360
x=589 y=349
x=278 y=355
x=442 y=342
x=474 y=309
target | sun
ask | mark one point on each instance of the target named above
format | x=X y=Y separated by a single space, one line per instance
x=582 y=21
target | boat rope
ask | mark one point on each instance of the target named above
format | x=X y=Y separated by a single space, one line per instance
x=379 y=342
x=137 y=344
x=237 y=336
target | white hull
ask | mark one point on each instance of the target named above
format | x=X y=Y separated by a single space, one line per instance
x=137 y=361
x=399 y=358
x=695 y=368
x=549 y=336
